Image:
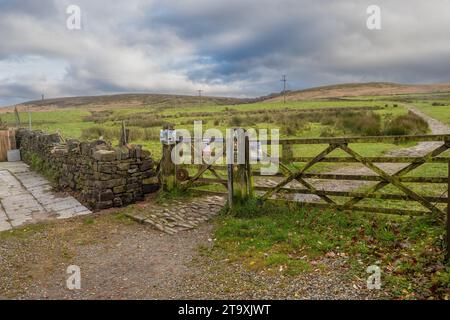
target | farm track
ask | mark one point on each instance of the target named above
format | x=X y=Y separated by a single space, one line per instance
x=134 y=261
x=436 y=127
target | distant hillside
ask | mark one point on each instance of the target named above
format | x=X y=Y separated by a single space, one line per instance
x=132 y=100
x=360 y=89
x=338 y=91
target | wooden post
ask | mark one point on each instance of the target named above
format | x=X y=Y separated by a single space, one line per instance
x=287 y=152
x=248 y=168
x=448 y=213
x=168 y=168
x=230 y=185
x=17 y=116
x=29 y=119
x=124 y=135
x=242 y=185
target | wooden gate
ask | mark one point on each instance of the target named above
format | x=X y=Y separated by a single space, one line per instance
x=233 y=180
x=380 y=177
x=238 y=181
x=239 y=178
x=7 y=142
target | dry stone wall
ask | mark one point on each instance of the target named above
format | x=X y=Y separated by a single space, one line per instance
x=102 y=176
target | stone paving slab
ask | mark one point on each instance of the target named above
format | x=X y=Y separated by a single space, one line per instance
x=4 y=223
x=27 y=197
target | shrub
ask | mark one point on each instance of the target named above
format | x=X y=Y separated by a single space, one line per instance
x=289 y=130
x=98 y=116
x=3 y=125
x=96 y=132
x=409 y=124
x=235 y=121
x=364 y=123
x=327 y=132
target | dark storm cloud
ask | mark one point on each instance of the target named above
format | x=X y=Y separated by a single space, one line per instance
x=41 y=8
x=232 y=47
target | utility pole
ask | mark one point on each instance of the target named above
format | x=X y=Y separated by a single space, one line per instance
x=29 y=118
x=283 y=79
x=200 y=95
x=42 y=97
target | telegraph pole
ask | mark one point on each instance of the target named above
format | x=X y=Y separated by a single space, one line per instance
x=200 y=95
x=283 y=79
x=29 y=118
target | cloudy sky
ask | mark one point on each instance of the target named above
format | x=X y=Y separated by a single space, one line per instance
x=225 y=47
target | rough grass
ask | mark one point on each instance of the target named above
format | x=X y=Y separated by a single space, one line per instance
x=293 y=239
x=406 y=124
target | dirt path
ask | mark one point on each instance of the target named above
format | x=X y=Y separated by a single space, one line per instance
x=122 y=259
x=118 y=259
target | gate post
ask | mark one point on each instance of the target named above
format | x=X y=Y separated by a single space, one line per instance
x=168 y=169
x=448 y=213
x=287 y=152
x=240 y=176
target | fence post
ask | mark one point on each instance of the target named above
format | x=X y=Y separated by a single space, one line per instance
x=287 y=152
x=230 y=184
x=448 y=213
x=242 y=188
x=168 y=169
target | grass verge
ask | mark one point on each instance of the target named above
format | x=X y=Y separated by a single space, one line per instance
x=292 y=239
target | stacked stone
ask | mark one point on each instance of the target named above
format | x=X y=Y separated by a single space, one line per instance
x=103 y=176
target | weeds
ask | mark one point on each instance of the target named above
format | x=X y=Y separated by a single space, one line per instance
x=292 y=238
x=39 y=165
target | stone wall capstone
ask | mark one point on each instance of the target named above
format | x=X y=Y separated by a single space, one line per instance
x=101 y=176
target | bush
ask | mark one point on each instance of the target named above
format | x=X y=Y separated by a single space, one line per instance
x=98 y=116
x=409 y=124
x=364 y=123
x=327 y=132
x=235 y=121
x=289 y=130
x=3 y=125
x=96 y=132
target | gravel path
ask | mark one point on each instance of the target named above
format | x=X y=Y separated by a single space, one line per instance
x=118 y=259
x=122 y=259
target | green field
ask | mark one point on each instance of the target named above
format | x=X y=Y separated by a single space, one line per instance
x=146 y=121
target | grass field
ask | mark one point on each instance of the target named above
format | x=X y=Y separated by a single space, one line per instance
x=145 y=122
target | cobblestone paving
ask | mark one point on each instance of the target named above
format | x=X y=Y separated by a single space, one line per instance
x=27 y=197
x=175 y=215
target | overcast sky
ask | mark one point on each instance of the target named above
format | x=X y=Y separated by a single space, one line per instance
x=225 y=47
